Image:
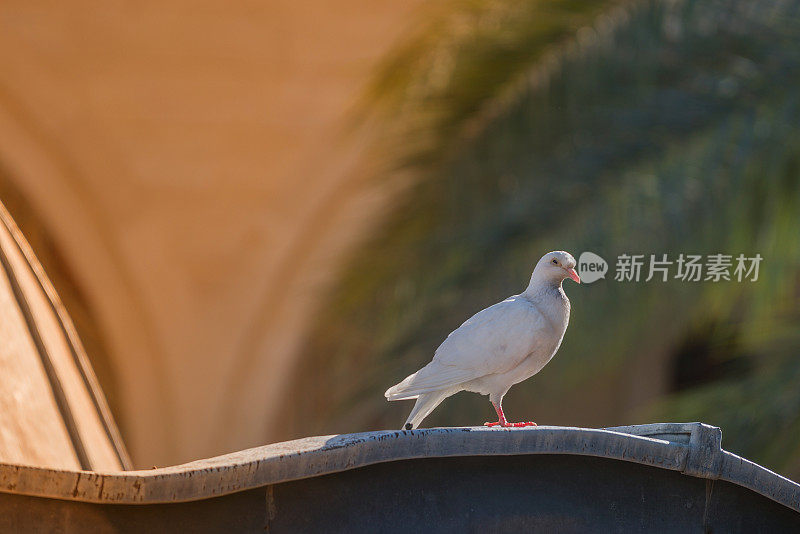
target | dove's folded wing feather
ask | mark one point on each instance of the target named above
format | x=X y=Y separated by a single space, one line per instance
x=493 y=341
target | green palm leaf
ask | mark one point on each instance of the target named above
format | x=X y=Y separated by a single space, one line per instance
x=670 y=127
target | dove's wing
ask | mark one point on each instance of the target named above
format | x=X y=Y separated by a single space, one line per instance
x=493 y=341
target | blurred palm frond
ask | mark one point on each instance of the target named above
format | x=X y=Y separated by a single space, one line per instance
x=668 y=127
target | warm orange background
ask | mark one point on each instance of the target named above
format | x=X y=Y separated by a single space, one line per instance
x=188 y=164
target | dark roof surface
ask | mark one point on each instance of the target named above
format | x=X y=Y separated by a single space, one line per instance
x=690 y=448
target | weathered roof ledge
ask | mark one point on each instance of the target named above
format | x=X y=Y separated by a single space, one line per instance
x=690 y=448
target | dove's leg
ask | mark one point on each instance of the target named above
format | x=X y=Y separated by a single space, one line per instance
x=501 y=418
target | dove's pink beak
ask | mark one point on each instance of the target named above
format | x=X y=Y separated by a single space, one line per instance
x=572 y=274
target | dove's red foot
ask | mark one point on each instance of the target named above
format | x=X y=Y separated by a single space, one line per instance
x=507 y=424
x=501 y=420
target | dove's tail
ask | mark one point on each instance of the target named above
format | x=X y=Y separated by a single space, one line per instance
x=430 y=379
x=425 y=404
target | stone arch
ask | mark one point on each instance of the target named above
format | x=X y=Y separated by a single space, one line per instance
x=45 y=194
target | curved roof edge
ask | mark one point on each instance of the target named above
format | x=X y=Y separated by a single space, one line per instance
x=690 y=448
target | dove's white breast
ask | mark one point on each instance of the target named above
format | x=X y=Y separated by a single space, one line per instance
x=524 y=339
x=554 y=306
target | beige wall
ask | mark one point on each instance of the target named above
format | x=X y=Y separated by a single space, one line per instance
x=189 y=163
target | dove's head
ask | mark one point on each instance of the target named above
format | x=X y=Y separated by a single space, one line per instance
x=554 y=267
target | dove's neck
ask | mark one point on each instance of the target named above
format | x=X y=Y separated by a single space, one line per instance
x=540 y=286
x=547 y=295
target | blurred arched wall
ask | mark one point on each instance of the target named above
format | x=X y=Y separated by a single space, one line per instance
x=185 y=161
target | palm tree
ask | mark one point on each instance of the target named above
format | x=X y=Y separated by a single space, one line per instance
x=658 y=127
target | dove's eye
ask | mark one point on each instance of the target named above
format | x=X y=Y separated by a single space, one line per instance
x=555 y=262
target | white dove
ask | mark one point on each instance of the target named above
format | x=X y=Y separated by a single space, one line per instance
x=497 y=347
